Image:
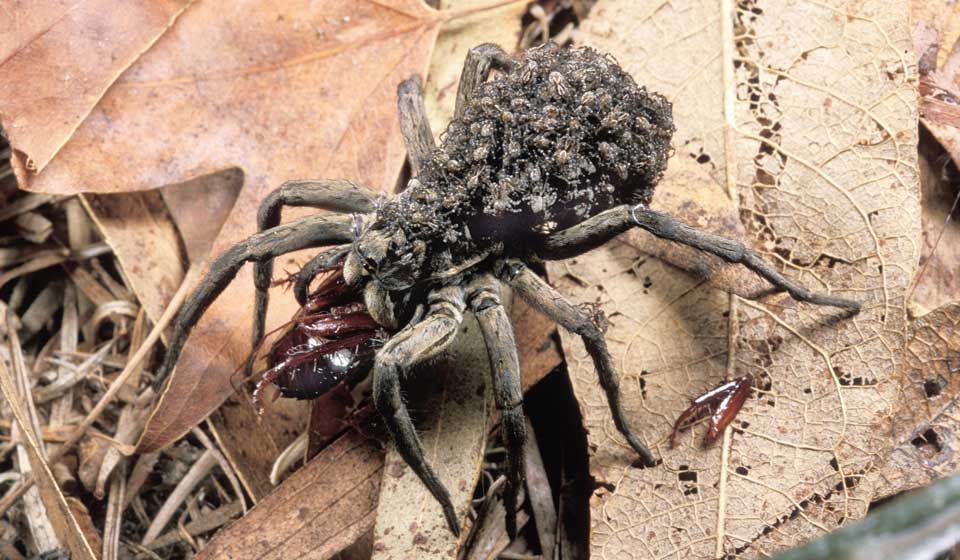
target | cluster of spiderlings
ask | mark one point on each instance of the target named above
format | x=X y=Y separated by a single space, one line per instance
x=565 y=134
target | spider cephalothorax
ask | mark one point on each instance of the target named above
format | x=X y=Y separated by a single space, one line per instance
x=557 y=154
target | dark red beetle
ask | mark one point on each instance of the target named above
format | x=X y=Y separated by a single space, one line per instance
x=722 y=403
x=331 y=340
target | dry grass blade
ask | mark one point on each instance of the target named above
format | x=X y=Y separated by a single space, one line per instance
x=198 y=471
x=57 y=509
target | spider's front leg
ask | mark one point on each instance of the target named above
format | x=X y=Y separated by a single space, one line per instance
x=551 y=303
x=606 y=225
x=312 y=231
x=338 y=196
x=323 y=261
x=404 y=350
x=484 y=297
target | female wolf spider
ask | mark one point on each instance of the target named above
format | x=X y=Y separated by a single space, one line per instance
x=555 y=156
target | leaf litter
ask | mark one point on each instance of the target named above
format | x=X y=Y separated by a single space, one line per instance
x=762 y=441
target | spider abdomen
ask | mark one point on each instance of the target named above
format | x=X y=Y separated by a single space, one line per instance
x=561 y=136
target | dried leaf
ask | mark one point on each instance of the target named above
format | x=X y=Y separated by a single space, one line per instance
x=200 y=207
x=144 y=239
x=318 y=511
x=938 y=281
x=813 y=129
x=926 y=420
x=59 y=58
x=272 y=138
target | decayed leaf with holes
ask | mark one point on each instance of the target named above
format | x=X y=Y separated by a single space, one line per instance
x=927 y=419
x=808 y=110
x=925 y=424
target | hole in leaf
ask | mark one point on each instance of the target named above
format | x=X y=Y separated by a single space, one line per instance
x=929 y=441
x=934 y=387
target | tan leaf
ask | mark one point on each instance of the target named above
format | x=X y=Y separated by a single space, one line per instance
x=59 y=58
x=139 y=229
x=321 y=509
x=923 y=436
x=812 y=126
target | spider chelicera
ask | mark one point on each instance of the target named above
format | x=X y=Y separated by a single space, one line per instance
x=554 y=156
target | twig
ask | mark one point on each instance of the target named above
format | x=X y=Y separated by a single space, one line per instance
x=207 y=522
x=47 y=261
x=225 y=466
x=198 y=471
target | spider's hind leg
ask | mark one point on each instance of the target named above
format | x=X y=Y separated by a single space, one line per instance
x=312 y=231
x=497 y=332
x=476 y=69
x=606 y=225
x=551 y=303
x=414 y=125
x=404 y=350
x=339 y=196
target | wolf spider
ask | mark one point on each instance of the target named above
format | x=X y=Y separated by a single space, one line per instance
x=557 y=155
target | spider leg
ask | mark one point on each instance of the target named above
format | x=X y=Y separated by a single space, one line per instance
x=497 y=332
x=339 y=196
x=599 y=229
x=476 y=69
x=551 y=303
x=312 y=231
x=414 y=125
x=322 y=261
x=405 y=349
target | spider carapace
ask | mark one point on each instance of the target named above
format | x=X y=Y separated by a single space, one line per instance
x=548 y=155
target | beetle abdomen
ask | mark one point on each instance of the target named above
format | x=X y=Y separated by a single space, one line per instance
x=331 y=340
